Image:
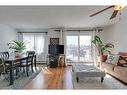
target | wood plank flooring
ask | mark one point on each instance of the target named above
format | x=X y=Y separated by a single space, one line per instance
x=52 y=78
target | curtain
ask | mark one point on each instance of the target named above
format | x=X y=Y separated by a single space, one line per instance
x=30 y=40
x=39 y=43
x=36 y=42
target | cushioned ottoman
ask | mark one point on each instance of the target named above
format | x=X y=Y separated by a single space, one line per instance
x=87 y=71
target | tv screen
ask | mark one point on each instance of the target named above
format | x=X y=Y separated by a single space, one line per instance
x=61 y=49
x=56 y=49
x=53 y=49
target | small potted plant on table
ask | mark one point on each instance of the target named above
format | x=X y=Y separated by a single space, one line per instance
x=18 y=46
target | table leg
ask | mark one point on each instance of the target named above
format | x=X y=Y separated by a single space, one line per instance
x=77 y=79
x=35 y=60
x=102 y=79
x=11 y=74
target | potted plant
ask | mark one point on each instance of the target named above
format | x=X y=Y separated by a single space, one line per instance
x=102 y=48
x=18 y=46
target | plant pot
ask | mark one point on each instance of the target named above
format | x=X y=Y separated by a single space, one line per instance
x=101 y=59
x=18 y=53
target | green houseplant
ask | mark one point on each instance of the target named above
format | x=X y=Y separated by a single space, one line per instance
x=102 y=48
x=18 y=46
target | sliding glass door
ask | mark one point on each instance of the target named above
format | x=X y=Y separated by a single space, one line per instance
x=85 y=48
x=78 y=48
x=72 y=48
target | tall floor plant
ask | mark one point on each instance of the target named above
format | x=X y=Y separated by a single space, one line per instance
x=102 y=48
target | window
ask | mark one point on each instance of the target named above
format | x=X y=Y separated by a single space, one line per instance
x=78 y=47
x=72 y=48
x=85 y=48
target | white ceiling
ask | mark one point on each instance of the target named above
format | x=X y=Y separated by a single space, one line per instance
x=25 y=17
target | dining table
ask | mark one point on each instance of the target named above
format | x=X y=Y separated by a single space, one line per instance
x=12 y=61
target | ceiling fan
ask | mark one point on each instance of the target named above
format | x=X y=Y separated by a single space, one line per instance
x=116 y=8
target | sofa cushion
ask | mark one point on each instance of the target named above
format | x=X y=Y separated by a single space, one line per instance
x=108 y=67
x=122 y=60
x=122 y=53
x=122 y=71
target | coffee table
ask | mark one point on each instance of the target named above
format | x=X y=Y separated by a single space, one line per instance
x=83 y=70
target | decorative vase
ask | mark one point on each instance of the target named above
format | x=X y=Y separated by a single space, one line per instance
x=18 y=53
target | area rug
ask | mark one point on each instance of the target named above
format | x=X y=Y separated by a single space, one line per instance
x=21 y=80
x=95 y=83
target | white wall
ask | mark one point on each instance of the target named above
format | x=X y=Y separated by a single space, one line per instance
x=7 y=34
x=117 y=35
x=53 y=34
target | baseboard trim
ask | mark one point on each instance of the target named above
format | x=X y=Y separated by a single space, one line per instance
x=39 y=62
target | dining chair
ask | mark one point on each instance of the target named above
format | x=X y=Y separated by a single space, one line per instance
x=4 y=55
x=28 y=62
x=1 y=66
x=6 y=66
x=34 y=56
x=4 y=69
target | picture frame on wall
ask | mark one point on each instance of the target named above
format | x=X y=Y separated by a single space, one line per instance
x=54 y=41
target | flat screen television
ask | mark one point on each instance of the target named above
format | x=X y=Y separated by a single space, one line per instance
x=61 y=49
x=56 y=49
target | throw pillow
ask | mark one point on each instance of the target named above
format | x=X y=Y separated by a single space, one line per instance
x=122 y=60
x=113 y=59
x=109 y=58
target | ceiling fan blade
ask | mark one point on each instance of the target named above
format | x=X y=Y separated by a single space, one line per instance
x=114 y=14
x=101 y=11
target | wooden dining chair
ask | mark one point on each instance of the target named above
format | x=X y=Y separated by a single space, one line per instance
x=6 y=66
x=4 y=69
x=4 y=55
x=1 y=66
x=28 y=62
x=34 y=57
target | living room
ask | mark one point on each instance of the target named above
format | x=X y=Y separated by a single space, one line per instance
x=73 y=29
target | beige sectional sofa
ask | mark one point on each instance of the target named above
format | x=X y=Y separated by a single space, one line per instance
x=117 y=71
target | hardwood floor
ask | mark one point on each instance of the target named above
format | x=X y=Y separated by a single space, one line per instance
x=52 y=78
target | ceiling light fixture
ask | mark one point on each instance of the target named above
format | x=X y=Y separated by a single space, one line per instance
x=118 y=7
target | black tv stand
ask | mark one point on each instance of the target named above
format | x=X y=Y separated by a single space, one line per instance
x=54 y=52
x=53 y=60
